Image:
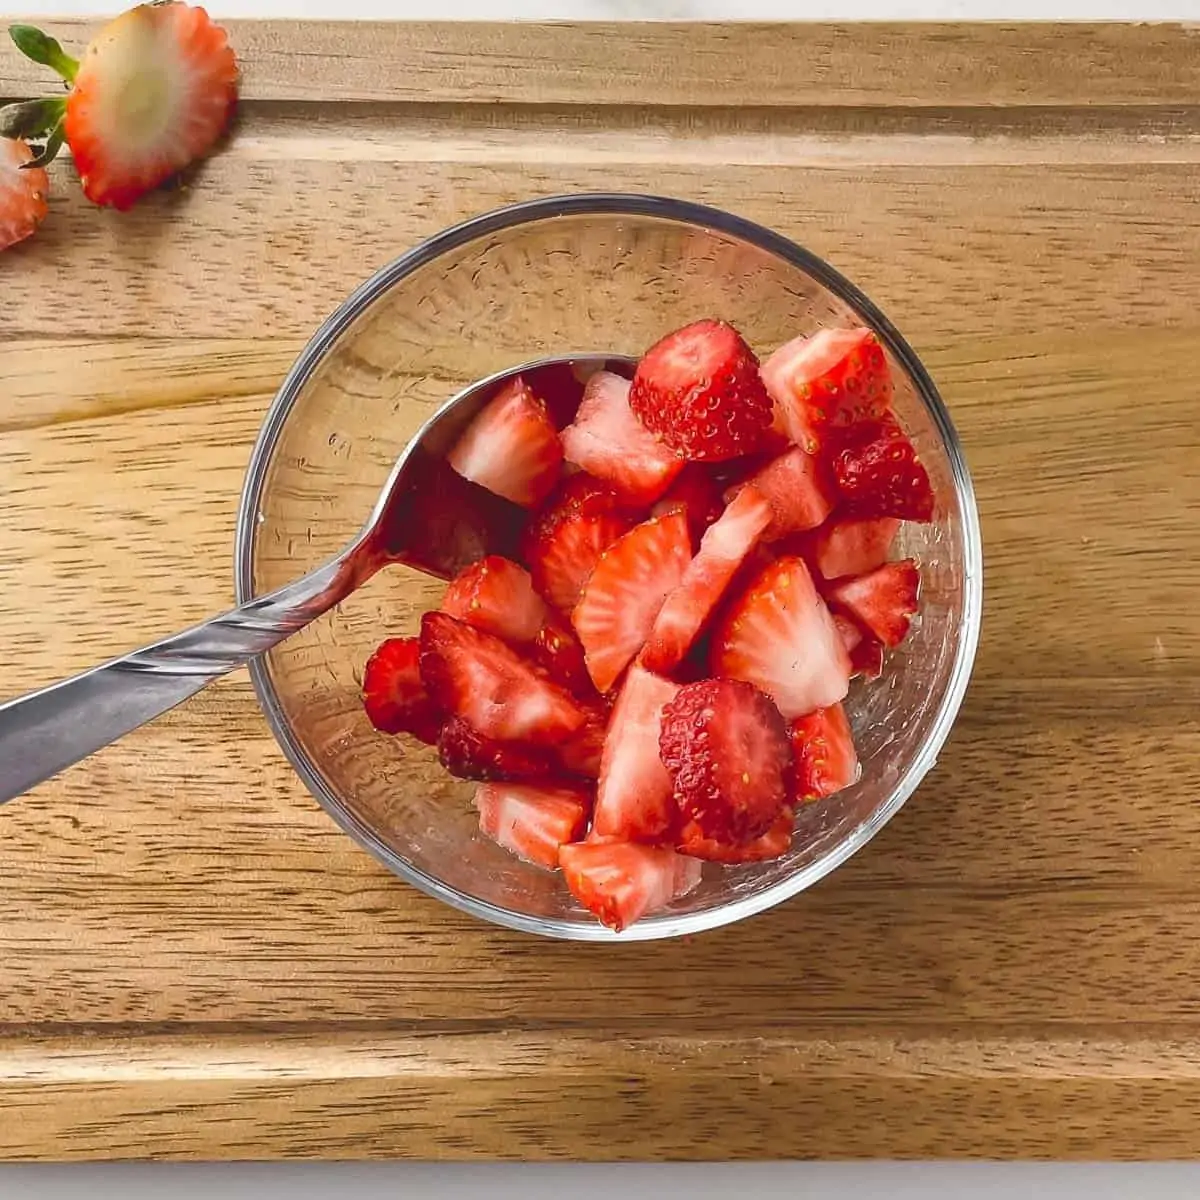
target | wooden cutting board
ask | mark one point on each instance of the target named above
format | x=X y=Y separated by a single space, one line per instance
x=195 y=963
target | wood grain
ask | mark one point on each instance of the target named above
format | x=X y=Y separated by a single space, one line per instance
x=196 y=963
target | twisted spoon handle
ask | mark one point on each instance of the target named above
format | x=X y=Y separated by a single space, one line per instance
x=45 y=731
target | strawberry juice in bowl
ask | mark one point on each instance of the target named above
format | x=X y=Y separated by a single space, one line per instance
x=539 y=670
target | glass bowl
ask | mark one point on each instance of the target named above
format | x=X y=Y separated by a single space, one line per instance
x=584 y=273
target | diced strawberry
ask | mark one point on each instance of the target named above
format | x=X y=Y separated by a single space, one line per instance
x=622 y=597
x=725 y=746
x=633 y=799
x=558 y=387
x=775 y=843
x=478 y=677
x=824 y=754
x=878 y=474
x=852 y=545
x=533 y=822
x=566 y=537
x=23 y=192
x=621 y=882
x=394 y=697
x=556 y=649
x=835 y=377
x=695 y=494
x=799 y=490
x=608 y=441
x=496 y=595
x=467 y=754
x=687 y=608
x=699 y=391
x=882 y=601
x=848 y=631
x=780 y=637
x=582 y=753
x=512 y=447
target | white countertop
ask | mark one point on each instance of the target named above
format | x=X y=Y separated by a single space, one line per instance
x=865 y=1181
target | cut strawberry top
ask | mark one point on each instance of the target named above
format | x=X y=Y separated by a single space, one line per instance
x=23 y=192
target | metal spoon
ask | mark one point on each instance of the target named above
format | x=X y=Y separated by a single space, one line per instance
x=426 y=516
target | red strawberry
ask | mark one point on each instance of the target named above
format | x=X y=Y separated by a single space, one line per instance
x=882 y=601
x=566 y=537
x=775 y=843
x=532 y=822
x=608 y=441
x=620 y=882
x=511 y=448
x=779 y=636
x=560 y=389
x=851 y=545
x=624 y=593
x=476 y=676
x=23 y=192
x=467 y=754
x=824 y=754
x=497 y=595
x=833 y=378
x=557 y=650
x=582 y=753
x=725 y=746
x=633 y=799
x=878 y=474
x=866 y=659
x=695 y=494
x=393 y=695
x=798 y=488
x=699 y=391
x=722 y=551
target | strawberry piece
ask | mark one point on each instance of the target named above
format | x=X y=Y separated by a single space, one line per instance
x=725 y=746
x=467 y=754
x=775 y=843
x=852 y=545
x=622 y=597
x=799 y=490
x=687 y=608
x=496 y=595
x=393 y=695
x=154 y=92
x=23 y=192
x=779 y=636
x=633 y=800
x=866 y=659
x=824 y=754
x=620 y=882
x=533 y=822
x=582 y=753
x=511 y=447
x=556 y=649
x=878 y=475
x=695 y=494
x=608 y=441
x=849 y=632
x=834 y=378
x=699 y=391
x=476 y=676
x=559 y=388
x=882 y=601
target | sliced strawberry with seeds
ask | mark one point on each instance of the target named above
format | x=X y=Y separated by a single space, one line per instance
x=394 y=697
x=852 y=545
x=725 y=746
x=824 y=754
x=620 y=882
x=496 y=595
x=633 y=800
x=476 y=676
x=609 y=442
x=23 y=192
x=775 y=843
x=878 y=474
x=779 y=636
x=533 y=822
x=467 y=754
x=622 y=596
x=699 y=391
x=512 y=447
x=833 y=378
x=883 y=601
x=688 y=607
x=695 y=494
x=556 y=649
x=799 y=489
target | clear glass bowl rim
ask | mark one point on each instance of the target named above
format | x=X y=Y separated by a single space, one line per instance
x=666 y=924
